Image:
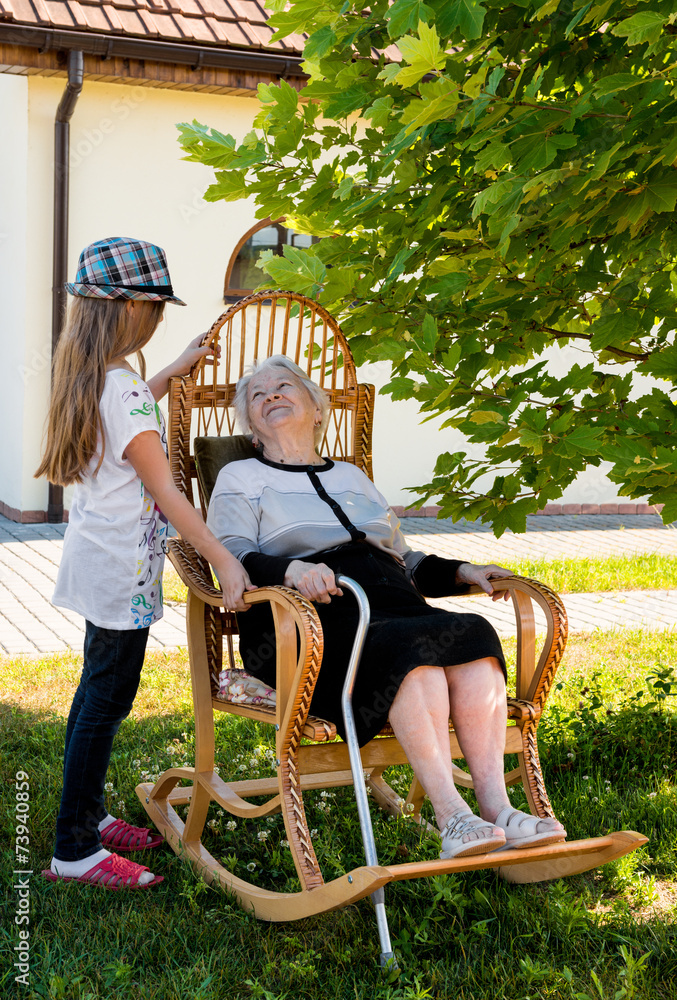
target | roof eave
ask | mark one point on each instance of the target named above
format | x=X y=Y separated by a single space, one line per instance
x=196 y=56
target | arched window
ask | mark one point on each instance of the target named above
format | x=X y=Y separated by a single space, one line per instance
x=243 y=276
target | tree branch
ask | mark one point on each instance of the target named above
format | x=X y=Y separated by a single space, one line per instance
x=588 y=336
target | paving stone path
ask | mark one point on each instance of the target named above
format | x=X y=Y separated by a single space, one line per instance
x=30 y=554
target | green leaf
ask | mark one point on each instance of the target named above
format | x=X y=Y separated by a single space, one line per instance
x=230 y=186
x=642 y=27
x=662 y=196
x=576 y=18
x=422 y=112
x=319 y=44
x=404 y=16
x=486 y=417
x=617 y=81
x=537 y=151
x=466 y=15
x=614 y=328
x=424 y=55
x=296 y=271
x=398 y=265
x=380 y=112
x=429 y=330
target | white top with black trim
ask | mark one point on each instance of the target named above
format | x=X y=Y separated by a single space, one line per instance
x=294 y=511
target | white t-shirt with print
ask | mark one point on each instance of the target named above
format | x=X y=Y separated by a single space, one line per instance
x=115 y=543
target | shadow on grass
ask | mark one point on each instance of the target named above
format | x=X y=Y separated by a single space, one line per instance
x=471 y=936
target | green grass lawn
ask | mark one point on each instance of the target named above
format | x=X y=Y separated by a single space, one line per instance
x=566 y=576
x=609 y=749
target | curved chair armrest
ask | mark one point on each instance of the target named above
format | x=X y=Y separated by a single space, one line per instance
x=298 y=660
x=194 y=572
x=534 y=678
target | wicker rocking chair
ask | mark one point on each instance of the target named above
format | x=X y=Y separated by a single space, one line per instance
x=200 y=407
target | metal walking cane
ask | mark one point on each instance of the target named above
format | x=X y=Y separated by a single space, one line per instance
x=388 y=959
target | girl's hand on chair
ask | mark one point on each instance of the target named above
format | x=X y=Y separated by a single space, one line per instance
x=192 y=355
x=314 y=581
x=234 y=582
x=480 y=576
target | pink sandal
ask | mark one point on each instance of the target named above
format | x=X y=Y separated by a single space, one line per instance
x=111 y=873
x=121 y=836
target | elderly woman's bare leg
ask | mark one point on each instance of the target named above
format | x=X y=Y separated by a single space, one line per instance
x=477 y=700
x=478 y=710
x=419 y=716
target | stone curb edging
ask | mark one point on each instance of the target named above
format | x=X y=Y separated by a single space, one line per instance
x=550 y=509
x=553 y=509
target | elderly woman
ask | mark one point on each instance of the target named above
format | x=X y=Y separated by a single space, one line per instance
x=295 y=518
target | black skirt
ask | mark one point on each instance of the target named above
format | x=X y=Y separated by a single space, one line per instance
x=404 y=633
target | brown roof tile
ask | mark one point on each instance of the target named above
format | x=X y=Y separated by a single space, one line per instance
x=247 y=10
x=112 y=15
x=241 y=23
x=58 y=12
x=96 y=17
x=197 y=29
x=130 y=21
x=78 y=14
x=41 y=11
x=233 y=33
x=260 y=32
x=150 y=22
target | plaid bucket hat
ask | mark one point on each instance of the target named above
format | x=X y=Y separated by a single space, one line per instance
x=119 y=268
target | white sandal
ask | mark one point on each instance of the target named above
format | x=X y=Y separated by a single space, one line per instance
x=522 y=830
x=462 y=823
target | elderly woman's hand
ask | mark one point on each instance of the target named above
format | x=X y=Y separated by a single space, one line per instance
x=315 y=581
x=480 y=576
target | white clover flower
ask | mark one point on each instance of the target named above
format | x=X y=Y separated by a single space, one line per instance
x=284 y=843
x=652 y=795
x=251 y=866
x=242 y=767
x=571 y=756
x=595 y=799
x=219 y=812
x=586 y=777
x=122 y=807
x=108 y=786
x=231 y=824
x=410 y=807
x=313 y=832
x=253 y=762
x=322 y=806
x=262 y=835
x=270 y=821
x=136 y=763
x=217 y=770
x=212 y=823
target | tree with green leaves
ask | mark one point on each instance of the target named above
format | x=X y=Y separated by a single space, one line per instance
x=490 y=182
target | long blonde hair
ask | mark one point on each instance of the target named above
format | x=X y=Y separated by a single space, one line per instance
x=97 y=331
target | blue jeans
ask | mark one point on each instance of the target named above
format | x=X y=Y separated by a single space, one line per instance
x=105 y=695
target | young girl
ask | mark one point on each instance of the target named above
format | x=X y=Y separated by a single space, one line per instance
x=106 y=434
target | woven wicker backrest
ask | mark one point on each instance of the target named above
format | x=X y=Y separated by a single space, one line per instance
x=255 y=328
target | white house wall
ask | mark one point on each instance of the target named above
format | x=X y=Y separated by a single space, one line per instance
x=13 y=282
x=128 y=179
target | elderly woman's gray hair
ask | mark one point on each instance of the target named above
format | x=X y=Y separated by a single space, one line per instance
x=279 y=361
